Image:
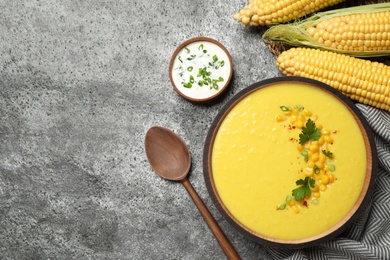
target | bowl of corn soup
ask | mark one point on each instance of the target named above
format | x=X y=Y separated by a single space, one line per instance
x=290 y=162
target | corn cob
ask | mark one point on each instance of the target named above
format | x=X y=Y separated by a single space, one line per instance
x=361 y=31
x=269 y=12
x=361 y=80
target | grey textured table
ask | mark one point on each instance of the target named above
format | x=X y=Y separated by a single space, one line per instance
x=81 y=82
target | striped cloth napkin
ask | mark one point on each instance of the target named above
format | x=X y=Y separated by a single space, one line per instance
x=369 y=236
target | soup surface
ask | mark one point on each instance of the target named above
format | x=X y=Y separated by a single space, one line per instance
x=257 y=159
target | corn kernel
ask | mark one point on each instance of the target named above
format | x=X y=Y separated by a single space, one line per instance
x=331 y=177
x=320 y=165
x=320 y=141
x=328 y=139
x=319 y=126
x=293 y=119
x=325 y=179
x=279 y=118
x=316 y=194
x=245 y=20
x=325 y=132
x=299 y=124
x=326 y=168
x=295 y=111
x=300 y=147
x=310 y=164
x=292 y=202
x=313 y=147
x=315 y=188
x=314 y=157
x=322 y=158
x=308 y=172
x=307 y=112
x=322 y=187
x=296 y=209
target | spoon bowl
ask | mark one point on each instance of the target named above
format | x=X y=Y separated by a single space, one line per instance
x=169 y=157
x=167 y=153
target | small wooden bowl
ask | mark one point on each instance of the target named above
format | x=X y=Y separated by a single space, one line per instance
x=353 y=214
x=213 y=94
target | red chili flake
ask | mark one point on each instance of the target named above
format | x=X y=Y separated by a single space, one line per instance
x=335 y=131
x=293 y=127
x=305 y=204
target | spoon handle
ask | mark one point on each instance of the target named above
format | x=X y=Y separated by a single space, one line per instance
x=213 y=225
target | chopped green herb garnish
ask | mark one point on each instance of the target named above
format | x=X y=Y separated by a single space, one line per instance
x=332 y=167
x=204 y=76
x=305 y=155
x=328 y=154
x=304 y=190
x=282 y=206
x=216 y=64
x=191 y=57
x=316 y=169
x=215 y=81
x=284 y=108
x=299 y=107
x=315 y=201
x=189 y=84
x=309 y=132
x=203 y=72
x=288 y=199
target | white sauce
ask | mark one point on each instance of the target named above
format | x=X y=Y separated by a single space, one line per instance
x=181 y=75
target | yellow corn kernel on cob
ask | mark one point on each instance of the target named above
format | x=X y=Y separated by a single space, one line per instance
x=357 y=31
x=269 y=12
x=361 y=80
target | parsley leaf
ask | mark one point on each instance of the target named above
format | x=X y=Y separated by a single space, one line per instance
x=309 y=132
x=304 y=190
x=328 y=154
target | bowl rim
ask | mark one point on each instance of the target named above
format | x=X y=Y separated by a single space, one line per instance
x=359 y=206
x=179 y=48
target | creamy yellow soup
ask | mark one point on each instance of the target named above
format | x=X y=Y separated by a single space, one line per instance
x=256 y=162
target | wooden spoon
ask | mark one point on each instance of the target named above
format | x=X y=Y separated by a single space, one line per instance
x=170 y=159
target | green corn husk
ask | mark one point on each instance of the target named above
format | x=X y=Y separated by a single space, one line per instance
x=295 y=34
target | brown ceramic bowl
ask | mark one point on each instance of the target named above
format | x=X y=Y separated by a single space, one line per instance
x=200 y=53
x=353 y=213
